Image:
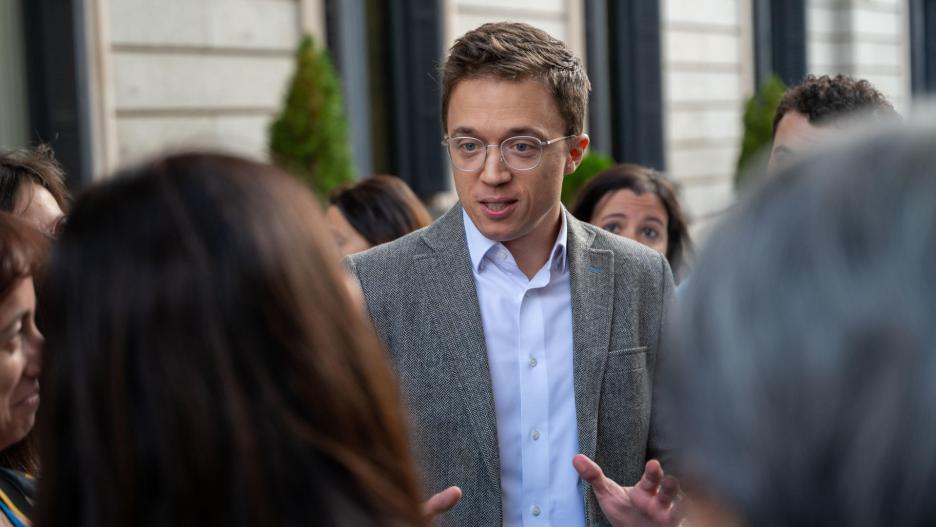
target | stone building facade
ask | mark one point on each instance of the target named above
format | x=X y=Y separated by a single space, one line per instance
x=150 y=76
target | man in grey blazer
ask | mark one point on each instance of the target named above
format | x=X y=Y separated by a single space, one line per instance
x=523 y=337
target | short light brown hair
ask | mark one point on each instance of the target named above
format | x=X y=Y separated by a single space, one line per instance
x=515 y=51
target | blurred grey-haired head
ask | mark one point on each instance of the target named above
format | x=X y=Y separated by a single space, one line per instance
x=801 y=372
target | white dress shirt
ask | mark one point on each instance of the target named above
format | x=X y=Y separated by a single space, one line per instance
x=528 y=335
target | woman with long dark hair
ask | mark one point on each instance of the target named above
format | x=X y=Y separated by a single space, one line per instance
x=639 y=203
x=373 y=211
x=22 y=252
x=207 y=364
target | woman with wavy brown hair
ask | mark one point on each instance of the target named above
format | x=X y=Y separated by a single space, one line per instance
x=207 y=364
x=22 y=253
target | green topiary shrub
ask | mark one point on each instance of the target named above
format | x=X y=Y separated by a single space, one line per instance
x=592 y=163
x=758 y=127
x=309 y=138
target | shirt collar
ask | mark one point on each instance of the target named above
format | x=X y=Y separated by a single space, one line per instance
x=479 y=245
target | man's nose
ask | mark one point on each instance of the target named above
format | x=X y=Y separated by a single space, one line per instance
x=495 y=171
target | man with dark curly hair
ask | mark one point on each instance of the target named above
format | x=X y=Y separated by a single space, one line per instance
x=814 y=108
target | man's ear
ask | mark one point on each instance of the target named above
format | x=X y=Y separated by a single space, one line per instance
x=576 y=153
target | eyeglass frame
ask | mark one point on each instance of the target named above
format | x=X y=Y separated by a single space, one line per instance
x=500 y=149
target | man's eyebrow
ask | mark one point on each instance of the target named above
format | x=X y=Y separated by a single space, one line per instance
x=525 y=130
x=462 y=131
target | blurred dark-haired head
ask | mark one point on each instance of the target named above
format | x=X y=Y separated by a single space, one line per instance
x=32 y=186
x=800 y=375
x=207 y=364
x=819 y=107
x=373 y=211
x=638 y=203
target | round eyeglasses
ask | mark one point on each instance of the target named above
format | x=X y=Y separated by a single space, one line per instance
x=518 y=153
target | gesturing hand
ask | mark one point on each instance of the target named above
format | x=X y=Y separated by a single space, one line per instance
x=441 y=502
x=648 y=503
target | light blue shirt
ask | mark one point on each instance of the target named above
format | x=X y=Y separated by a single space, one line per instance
x=528 y=335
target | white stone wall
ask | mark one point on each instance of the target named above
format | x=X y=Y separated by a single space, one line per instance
x=707 y=74
x=862 y=38
x=180 y=73
x=184 y=73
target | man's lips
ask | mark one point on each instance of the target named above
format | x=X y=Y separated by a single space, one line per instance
x=497 y=208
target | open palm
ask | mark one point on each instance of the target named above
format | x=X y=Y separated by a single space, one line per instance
x=648 y=503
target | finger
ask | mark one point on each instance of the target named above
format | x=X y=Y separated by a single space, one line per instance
x=680 y=510
x=668 y=491
x=652 y=477
x=441 y=502
x=590 y=473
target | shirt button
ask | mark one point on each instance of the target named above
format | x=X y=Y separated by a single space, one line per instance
x=535 y=510
x=533 y=362
x=535 y=435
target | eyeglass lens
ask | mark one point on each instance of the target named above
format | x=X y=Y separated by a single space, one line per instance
x=519 y=153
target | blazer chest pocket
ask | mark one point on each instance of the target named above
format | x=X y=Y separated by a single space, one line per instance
x=627 y=359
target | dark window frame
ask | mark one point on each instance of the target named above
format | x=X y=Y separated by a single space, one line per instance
x=922 y=46
x=57 y=80
x=387 y=54
x=346 y=28
x=416 y=40
x=780 y=40
x=625 y=66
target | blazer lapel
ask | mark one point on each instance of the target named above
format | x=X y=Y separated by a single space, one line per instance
x=446 y=269
x=591 y=273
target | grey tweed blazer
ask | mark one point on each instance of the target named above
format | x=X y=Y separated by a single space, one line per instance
x=420 y=293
